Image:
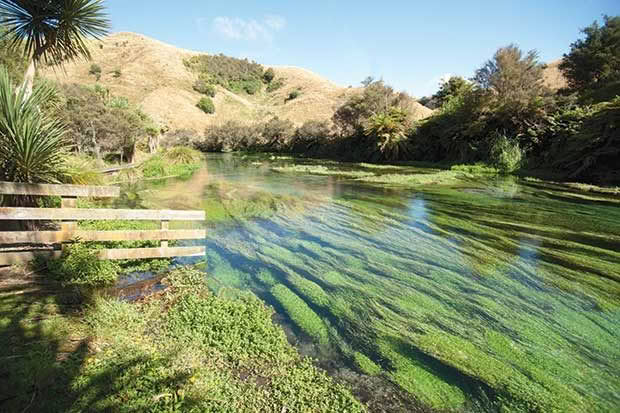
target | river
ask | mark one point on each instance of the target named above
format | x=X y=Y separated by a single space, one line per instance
x=462 y=294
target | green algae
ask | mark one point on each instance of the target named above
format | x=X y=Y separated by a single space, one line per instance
x=494 y=283
x=301 y=314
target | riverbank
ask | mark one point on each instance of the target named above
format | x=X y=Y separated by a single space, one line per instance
x=182 y=349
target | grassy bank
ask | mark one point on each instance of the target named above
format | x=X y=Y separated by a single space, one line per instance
x=184 y=349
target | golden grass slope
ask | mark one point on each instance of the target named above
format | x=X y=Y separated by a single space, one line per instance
x=153 y=76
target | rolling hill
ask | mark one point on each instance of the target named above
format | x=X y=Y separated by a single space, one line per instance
x=153 y=76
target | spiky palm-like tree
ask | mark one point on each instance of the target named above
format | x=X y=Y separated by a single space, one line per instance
x=32 y=144
x=389 y=132
x=52 y=31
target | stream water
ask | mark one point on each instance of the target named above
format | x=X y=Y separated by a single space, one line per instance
x=495 y=289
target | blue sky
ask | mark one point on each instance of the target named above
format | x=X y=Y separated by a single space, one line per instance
x=409 y=44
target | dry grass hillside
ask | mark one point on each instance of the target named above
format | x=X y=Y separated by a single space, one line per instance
x=154 y=77
x=553 y=77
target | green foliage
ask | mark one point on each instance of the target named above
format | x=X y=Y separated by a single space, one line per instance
x=269 y=75
x=201 y=85
x=455 y=86
x=388 y=129
x=594 y=61
x=98 y=122
x=302 y=315
x=175 y=164
x=275 y=85
x=351 y=117
x=365 y=364
x=182 y=155
x=95 y=70
x=506 y=155
x=206 y=105
x=80 y=266
x=233 y=74
x=54 y=32
x=309 y=136
x=32 y=143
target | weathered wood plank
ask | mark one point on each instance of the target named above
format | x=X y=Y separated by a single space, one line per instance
x=98 y=214
x=56 y=237
x=135 y=253
x=10 y=258
x=17 y=188
x=22 y=257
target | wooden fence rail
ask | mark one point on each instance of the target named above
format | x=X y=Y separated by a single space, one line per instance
x=68 y=215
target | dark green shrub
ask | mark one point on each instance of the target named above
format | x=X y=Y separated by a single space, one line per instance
x=275 y=85
x=269 y=75
x=251 y=87
x=203 y=86
x=206 y=105
x=80 y=266
x=117 y=73
x=228 y=72
x=293 y=95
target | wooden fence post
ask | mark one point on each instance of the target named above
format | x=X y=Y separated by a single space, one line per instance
x=68 y=227
x=164 y=226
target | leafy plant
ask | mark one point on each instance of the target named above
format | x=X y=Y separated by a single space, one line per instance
x=506 y=155
x=275 y=85
x=206 y=105
x=95 y=70
x=80 y=266
x=32 y=144
x=203 y=86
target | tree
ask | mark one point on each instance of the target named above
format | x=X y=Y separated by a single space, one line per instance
x=454 y=86
x=388 y=129
x=367 y=81
x=595 y=60
x=349 y=119
x=32 y=144
x=52 y=31
x=512 y=77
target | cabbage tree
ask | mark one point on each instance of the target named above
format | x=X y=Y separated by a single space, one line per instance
x=52 y=31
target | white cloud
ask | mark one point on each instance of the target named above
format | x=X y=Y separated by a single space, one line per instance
x=275 y=22
x=249 y=30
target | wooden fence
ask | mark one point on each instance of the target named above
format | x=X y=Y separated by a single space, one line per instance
x=69 y=214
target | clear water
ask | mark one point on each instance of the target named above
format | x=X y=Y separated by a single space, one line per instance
x=495 y=288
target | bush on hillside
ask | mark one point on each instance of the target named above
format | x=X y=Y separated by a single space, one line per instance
x=203 y=86
x=95 y=70
x=294 y=94
x=275 y=85
x=269 y=75
x=206 y=105
x=228 y=72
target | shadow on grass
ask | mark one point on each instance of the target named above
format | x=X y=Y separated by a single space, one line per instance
x=44 y=351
